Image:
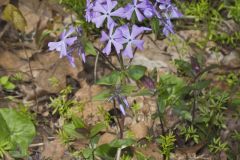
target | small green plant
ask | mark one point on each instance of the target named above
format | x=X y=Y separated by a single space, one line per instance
x=190 y=133
x=61 y=104
x=199 y=9
x=105 y=114
x=54 y=81
x=236 y=136
x=167 y=144
x=218 y=146
x=234 y=11
x=211 y=108
x=135 y=108
x=6 y=83
x=17 y=77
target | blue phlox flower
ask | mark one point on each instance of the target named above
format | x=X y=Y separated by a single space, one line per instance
x=130 y=39
x=66 y=40
x=105 y=11
x=113 y=39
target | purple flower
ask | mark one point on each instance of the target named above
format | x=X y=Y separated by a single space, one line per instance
x=122 y=103
x=149 y=11
x=62 y=45
x=167 y=27
x=130 y=38
x=169 y=10
x=68 y=44
x=105 y=11
x=122 y=109
x=112 y=38
x=89 y=12
x=135 y=6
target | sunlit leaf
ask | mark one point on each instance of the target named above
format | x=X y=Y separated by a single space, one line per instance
x=14 y=16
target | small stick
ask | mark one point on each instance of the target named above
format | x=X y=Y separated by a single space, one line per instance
x=31 y=72
x=95 y=67
x=36 y=145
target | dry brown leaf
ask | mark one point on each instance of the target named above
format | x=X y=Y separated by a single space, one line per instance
x=53 y=150
x=140 y=130
x=106 y=138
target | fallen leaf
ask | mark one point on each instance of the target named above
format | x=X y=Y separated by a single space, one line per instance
x=140 y=130
x=106 y=138
x=53 y=150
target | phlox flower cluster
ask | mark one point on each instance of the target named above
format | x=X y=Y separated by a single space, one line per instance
x=108 y=15
x=124 y=37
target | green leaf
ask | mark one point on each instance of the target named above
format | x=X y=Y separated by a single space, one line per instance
x=89 y=49
x=186 y=115
x=22 y=131
x=200 y=85
x=136 y=72
x=184 y=67
x=106 y=152
x=97 y=128
x=143 y=92
x=174 y=83
x=110 y=79
x=87 y=153
x=78 y=122
x=235 y=102
x=102 y=96
x=14 y=16
x=161 y=105
x=155 y=26
x=4 y=80
x=140 y=156
x=4 y=130
x=122 y=142
x=70 y=130
x=127 y=89
x=9 y=86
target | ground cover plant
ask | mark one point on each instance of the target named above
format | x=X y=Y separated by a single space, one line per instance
x=119 y=79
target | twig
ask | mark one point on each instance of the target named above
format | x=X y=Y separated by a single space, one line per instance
x=118 y=155
x=36 y=145
x=31 y=72
x=95 y=67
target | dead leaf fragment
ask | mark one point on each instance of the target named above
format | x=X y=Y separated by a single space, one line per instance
x=106 y=138
x=53 y=150
x=140 y=130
